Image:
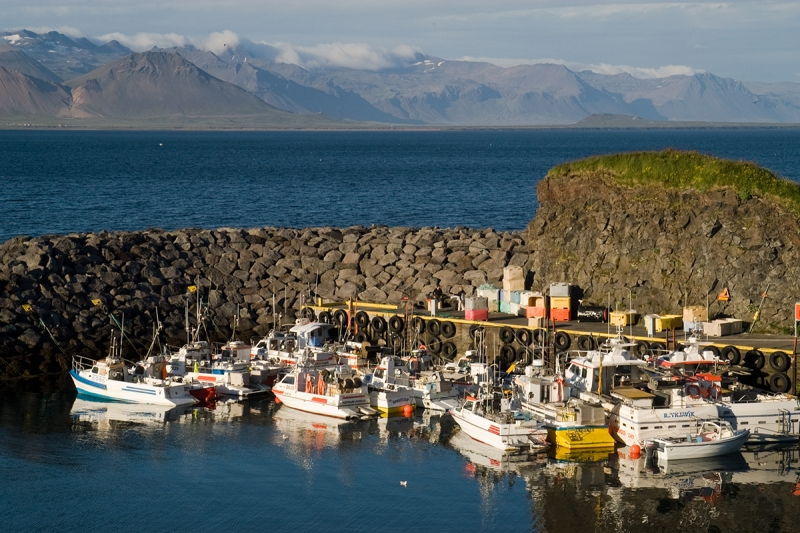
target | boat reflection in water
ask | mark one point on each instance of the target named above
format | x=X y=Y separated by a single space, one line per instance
x=319 y=431
x=482 y=455
x=98 y=411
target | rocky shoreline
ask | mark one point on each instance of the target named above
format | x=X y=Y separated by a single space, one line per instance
x=75 y=283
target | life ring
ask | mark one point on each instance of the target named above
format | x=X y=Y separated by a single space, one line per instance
x=309 y=384
x=506 y=335
x=396 y=324
x=779 y=361
x=692 y=390
x=448 y=330
x=378 y=324
x=562 y=341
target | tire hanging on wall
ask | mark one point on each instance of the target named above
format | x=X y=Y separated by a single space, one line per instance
x=779 y=361
x=714 y=350
x=657 y=349
x=538 y=335
x=585 y=343
x=325 y=317
x=780 y=382
x=754 y=359
x=418 y=325
x=340 y=317
x=506 y=335
x=434 y=345
x=448 y=330
x=562 y=341
x=396 y=324
x=507 y=355
x=731 y=354
x=378 y=324
x=362 y=319
x=522 y=353
x=524 y=337
x=361 y=336
x=433 y=326
x=473 y=330
x=449 y=350
x=642 y=348
x=309 y=313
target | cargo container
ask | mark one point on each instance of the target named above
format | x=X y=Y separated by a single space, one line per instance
x=477 y=314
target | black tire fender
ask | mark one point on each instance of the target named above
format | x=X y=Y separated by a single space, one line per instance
x=642 y=348
x=779 y=361
x=524 y=337
x=780 y=382
x=378 y=324
x=434 y=327
x=754 y=359
x=434 y=345
x=418 y=325
x=506 y=335
x=326 y=317
x=731 y=354
x=396 y=324
x=562 y=341
x=449 y=350
x=448 y=330
x=585 y=343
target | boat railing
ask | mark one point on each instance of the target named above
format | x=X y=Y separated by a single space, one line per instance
x=80 y=362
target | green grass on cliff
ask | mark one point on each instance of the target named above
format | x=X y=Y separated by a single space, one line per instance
x=676 y=169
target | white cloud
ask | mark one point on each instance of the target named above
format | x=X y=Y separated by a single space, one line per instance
x=217 y=41
x=600 y=68
x=358 y=56
x=145 y=41
x=69 y=31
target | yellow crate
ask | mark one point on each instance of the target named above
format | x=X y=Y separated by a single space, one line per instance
x=622 y=318
x=560 y=302
x=665 y=322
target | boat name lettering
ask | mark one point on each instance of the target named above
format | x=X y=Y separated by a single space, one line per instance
x=681 y=414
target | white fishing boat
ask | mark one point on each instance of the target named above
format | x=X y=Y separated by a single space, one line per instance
x=571 y=423
x=489 y=418
x=385 y=394
x=694 y=355
x=113 y=378
x=640 y=403
x=711 y=439
x=312 y=341
x=339 y=393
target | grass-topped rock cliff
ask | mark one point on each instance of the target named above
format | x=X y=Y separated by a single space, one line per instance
x=672 y=227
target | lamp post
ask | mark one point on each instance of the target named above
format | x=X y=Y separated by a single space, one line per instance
x=630 y=307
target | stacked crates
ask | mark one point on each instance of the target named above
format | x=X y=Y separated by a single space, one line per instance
x=561 y=301
x=537 y=306
x=476 y=308
x=492 y=295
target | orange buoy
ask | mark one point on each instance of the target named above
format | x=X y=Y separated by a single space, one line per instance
x=277 y=400
x=635 y=451
x=408 y=411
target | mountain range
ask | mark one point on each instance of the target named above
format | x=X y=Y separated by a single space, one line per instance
x=54 y=77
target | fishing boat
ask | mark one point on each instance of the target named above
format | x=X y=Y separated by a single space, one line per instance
x=312 y=341
x=339 y=393
x=488 y=418
x=385 y=394
x=571 y=423
x=640 y=402
x=113 y=378
x=711 y=439
x=696 y=354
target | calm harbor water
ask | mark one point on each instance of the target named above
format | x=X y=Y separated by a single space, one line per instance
x=77 y=466
x=62 y=182
x=70 y=464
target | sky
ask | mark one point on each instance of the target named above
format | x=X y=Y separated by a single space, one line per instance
x=753 y=40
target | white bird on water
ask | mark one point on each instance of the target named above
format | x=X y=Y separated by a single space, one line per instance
x=404 y=483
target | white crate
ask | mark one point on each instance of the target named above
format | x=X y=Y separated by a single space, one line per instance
x=560 y=289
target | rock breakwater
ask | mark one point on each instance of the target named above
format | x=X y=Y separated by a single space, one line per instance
x=74 y=284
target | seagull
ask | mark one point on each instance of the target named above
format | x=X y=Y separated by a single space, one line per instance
x=404 y=483
x=285 y=437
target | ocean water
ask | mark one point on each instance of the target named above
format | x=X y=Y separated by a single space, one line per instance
x=62 y=182
x=73 y=465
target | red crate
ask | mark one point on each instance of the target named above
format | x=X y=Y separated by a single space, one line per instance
x=563 y=315
x=476 y=314
x=533 y=312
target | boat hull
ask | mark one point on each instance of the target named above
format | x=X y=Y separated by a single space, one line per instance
x=89 y=384
x=581 y=437
x=676 y=451
x=391 y=402
x=506 y=437
x=345 y=406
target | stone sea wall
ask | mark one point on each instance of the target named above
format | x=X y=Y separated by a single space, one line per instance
x=75 y=283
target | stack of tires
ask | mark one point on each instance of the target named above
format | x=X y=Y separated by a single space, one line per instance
x=438 y=336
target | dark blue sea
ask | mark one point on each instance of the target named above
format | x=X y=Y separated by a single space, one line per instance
x=63 y=182
x=76 y=466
